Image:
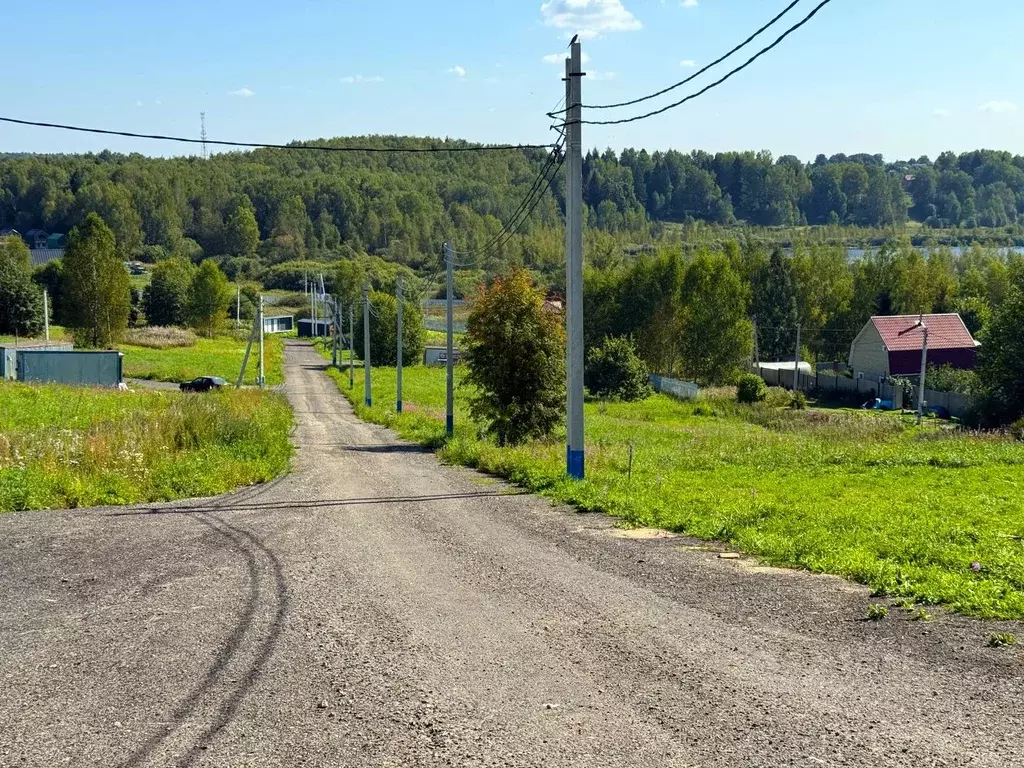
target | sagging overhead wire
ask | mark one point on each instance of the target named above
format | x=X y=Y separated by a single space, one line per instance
x=532 y=199
x=269 y=145
x=696 y=74
x=721 y=80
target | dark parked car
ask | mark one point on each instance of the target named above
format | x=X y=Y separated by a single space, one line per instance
x=203 y=384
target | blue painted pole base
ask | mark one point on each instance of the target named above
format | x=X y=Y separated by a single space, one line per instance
x=398 y=406
x=369 y=402
x=574 y=463
x=449 y=424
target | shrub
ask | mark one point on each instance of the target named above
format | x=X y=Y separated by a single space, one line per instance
x=1017 y=429
x=515 y=353
x=946 y=378
x=614 y=370
x=778 y=397
x=750 y=388
x=798 y=401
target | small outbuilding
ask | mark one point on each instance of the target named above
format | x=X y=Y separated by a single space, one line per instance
x=309 y=329
x=891 y=345
x=37 y=238
x=439 y=356
x=278 y=324
x=9 y=354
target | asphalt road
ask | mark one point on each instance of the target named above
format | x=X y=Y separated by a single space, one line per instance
x=377 y=609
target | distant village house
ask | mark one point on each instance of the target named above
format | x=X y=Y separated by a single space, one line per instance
x=892 y=346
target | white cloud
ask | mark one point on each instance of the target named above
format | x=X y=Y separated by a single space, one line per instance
x=689 y=3
x=941 y=112
x=688 y=63
x=457 y=70
x=558 y=58
x=138 y=103
x=242 y=92
x=999 y=107
x=588 y=18
x=362 y=79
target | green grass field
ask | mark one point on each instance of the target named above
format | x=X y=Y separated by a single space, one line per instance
x=902 y=509
x=208 y=357
x=57 y=333
x=73 y=447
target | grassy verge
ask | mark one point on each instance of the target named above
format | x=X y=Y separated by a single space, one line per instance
x=57 y=333
x=923 y=513
x=72 y=447
x=208 y=357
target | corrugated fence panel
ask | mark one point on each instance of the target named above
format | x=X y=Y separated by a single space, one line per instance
x=97 y=369
x=955 y=403
x=684 y=390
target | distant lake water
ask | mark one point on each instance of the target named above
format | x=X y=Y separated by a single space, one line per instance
x=858 y=253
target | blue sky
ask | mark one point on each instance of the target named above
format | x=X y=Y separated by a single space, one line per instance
x=900 y=77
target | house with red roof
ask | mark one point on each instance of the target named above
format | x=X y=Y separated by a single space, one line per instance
x=891 y=345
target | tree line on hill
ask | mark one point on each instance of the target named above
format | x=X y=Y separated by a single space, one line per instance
x=250 y=210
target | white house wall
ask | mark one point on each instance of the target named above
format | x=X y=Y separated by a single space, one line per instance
x=868 y=353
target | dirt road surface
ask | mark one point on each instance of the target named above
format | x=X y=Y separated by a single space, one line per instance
x=377 y=609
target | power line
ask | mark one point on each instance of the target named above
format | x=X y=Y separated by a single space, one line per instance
x=721 y=80
x=530 y=202
x=696 y=74
x=533 y=206
x=268 y=145
x=543 y=179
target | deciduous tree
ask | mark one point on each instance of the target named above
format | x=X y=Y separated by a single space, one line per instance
x=515 y=353
x=208 y=299
x=96 y=286
x=21 y=310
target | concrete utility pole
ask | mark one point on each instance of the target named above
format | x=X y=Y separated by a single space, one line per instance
x=757 y=350
x=398 y=297
x=924 y=364
x=796 y=363
x=367 y=388
x=248 y=350
x=337 y=331
x=238 y=306
x=449 y=421
x=46 y=314
x=574 y=266
x=924 y=370
x=351 y=346
x=312 y=309
x=262 y=378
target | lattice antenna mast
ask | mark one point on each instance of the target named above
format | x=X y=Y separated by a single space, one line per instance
x=202 y=132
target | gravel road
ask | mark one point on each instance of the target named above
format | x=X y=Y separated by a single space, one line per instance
x=377 y=609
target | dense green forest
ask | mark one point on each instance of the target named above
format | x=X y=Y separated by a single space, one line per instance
x=314 y=204
x=694 y=256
